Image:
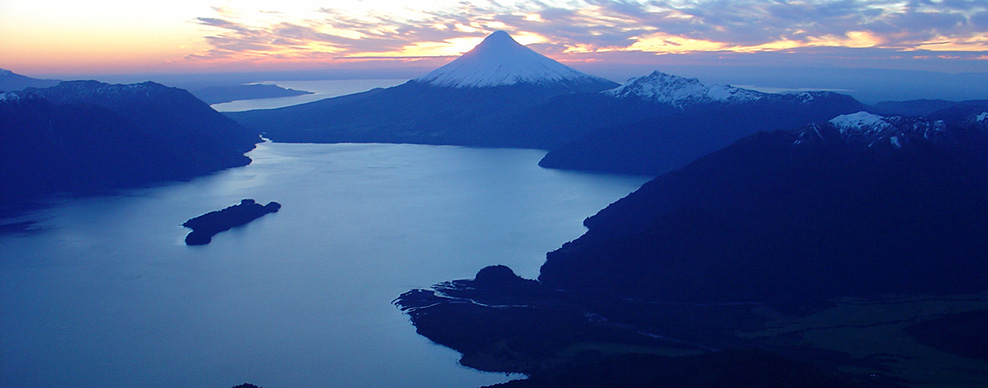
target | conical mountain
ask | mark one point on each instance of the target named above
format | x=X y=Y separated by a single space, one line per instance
x=500 y=61
x=488 y=97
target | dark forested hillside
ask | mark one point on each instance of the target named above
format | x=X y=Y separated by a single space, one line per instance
x=89 y=136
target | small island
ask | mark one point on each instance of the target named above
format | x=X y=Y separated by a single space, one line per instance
x=207 y=225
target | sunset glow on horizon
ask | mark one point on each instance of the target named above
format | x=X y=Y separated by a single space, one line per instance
x=113 y=36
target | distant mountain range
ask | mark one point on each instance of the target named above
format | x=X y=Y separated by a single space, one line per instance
x=920 y=107
x=84 y=136
x=684 y=120
x=220 y=94
x=684 y=93
x=706 y=119
x=478 y=99
x=502 y=94
x=11 y=82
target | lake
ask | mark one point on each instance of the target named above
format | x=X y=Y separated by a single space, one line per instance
x=104 y=293
x=321 y=89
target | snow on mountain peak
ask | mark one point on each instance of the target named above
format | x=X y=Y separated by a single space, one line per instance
x=871 y=129
x=981 y=118
x=860 y=122
x=498 y=61
x=680 y=91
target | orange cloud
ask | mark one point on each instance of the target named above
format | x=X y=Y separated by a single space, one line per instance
x=299 y=34
x=670 y=44
x=449 y=47
x=941 y=43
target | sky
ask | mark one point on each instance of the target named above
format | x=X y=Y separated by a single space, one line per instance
x=46 y=37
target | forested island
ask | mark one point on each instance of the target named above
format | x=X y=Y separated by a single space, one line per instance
x=206 y=226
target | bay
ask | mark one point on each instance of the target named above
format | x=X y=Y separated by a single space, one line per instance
x=104 y=293
x=321 y=89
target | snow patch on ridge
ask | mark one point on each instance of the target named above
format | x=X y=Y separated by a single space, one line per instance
x=680 y=91
x=871 y=129
x=983 y=117
x=894 y=140
x=9 y=96
x=499 y=61
x=862 y=123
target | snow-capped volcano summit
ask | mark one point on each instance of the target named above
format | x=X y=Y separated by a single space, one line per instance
x=500 y=61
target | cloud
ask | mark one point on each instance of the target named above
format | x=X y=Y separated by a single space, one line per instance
x=565 y=29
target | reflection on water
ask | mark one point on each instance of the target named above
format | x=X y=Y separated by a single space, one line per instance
x=108 y=295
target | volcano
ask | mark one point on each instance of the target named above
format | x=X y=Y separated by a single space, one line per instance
x=486 y=97
x=501 y=61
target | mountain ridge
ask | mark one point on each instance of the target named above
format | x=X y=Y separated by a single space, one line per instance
x=12 y=82
x=502 y=94
x=791 y=208
x=681 y=92
x=490 y=108
x=88 y=136
x=674 y=135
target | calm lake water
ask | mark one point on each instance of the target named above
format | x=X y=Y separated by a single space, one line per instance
x=320 y=89
x=106 y=294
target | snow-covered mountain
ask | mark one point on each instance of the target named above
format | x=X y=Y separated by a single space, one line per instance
x=870 y=129
x=492 y=96
x=689 y=93
x=502 y=94
x=501 y=61
x=681 y=92
x=867 y=130
x=661 y=122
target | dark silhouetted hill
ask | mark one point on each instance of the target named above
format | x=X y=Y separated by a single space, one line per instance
x=685 y=120
x=85 y=136
x=734 y=368
x=860 y=205
x=219 y=94
x=12 y=82
x=919 y=107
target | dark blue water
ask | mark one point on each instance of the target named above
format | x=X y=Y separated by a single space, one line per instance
x=106 y=294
